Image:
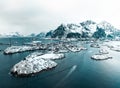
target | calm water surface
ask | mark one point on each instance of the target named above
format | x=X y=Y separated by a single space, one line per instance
x=76 y=70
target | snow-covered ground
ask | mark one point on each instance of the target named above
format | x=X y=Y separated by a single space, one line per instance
x=116 y=49
x=101 y=57
x=52 y=56
x=113 y=45
x=49 y=56
x=35 y=63
x=17 y=49
x=75 y=48
x=104 y=53
x=104 y=50
x=107 y=50
x=60 y=48
x=33 y=55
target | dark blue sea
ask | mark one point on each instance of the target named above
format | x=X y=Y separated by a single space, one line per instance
x=87 y=73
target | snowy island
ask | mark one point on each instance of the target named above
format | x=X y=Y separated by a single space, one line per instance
x=34 y=63
x=101 y=57
x=18 y=49
x=75 y=48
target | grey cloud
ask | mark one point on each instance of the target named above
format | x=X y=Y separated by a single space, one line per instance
x=34 y=16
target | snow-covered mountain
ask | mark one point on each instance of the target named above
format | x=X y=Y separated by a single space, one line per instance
x=17 y=34
x=32 y=35
x=49 y=34
x=11 y=34
x=41 y=35
x=85 y=29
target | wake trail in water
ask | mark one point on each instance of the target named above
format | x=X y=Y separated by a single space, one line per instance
x=68 y=74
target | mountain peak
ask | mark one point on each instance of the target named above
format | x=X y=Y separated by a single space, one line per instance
x=105 y=25
x=87 y=22
x=85 y=29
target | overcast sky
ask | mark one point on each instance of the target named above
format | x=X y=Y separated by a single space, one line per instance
x=34 y=16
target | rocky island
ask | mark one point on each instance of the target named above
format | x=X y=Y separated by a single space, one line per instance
x=35 y=63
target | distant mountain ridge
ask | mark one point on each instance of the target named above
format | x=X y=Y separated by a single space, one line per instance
x=17 y=34
x=41 y=35
x=86 y=29
x=11 y=34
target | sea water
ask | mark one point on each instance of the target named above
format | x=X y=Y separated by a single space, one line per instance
x=76 y=70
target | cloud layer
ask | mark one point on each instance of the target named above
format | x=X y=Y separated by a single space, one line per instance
x=33 y=16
